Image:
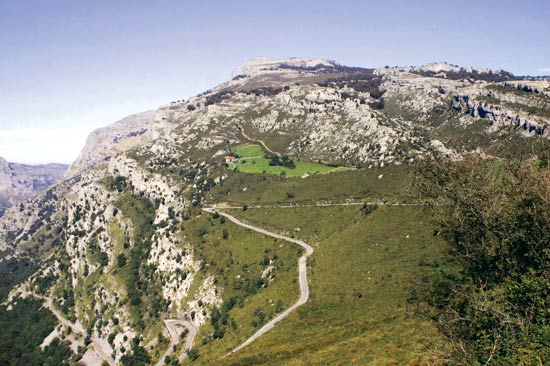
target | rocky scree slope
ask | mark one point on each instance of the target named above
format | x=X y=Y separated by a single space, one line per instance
x=109 y=242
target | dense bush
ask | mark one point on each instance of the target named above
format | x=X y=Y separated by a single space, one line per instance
x=142 y=213
x=118 y=183
x=267 y=91
x=465 y=74
x=285 y=161
x=367 y=209
x=496 y=219
x=137 y=357
x=363 y=81
x=23 y=330
x=218 y=97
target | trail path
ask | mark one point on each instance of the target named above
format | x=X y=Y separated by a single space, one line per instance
x=222 y=206
x=302 y=275
x=261 y=142
x=99 y=344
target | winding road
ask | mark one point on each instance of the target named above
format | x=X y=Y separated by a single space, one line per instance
x=171 y=325
x=302 y=275
x=98 y=344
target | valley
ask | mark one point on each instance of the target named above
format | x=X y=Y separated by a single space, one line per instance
x=297 y=214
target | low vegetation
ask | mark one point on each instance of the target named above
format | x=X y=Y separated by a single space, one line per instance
x=388 y=184
x=12 y=272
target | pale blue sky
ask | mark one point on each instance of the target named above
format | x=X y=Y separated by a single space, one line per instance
x=70 y=66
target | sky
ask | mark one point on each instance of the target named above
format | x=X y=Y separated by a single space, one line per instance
x=68 y=67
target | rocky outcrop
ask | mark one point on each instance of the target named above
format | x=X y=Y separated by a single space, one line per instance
x=129 y=132
x=498 y=115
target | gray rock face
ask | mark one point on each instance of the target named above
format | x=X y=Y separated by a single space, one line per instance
x=104 y=142
x=498 y=115
x=19 y=182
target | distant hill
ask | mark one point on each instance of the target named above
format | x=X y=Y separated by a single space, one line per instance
x=19 y=182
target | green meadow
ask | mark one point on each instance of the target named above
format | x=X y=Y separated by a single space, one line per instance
x=252 y=160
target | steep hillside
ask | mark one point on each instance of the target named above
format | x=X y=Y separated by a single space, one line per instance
x=136 y=271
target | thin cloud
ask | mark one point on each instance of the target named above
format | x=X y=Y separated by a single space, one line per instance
x=544 y=69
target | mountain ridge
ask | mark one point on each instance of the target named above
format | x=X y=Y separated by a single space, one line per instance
x=121 y=243
x=266 y=73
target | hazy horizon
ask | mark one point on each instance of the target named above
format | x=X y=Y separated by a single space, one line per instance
x=71 y=67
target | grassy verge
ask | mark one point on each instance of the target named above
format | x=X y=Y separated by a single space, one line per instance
x=248 y=151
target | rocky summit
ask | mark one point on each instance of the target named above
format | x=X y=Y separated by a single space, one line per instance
x=123 y=255
x=318 y=109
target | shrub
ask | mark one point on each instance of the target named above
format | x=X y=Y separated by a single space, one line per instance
x=121 y=260
x=193 y=354
x=367 y=209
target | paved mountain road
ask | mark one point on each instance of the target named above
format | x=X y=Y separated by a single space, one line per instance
x=302 y=275
x=171 y=325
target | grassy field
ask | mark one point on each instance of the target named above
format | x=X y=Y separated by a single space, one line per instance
x=392 y=183
x=362 y=277
x=252 y=160
x=261 y=165
x=248 y=151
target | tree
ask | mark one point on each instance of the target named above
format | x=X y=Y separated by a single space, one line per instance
x=103 y=259
x=139 y=356
x=275 y=161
